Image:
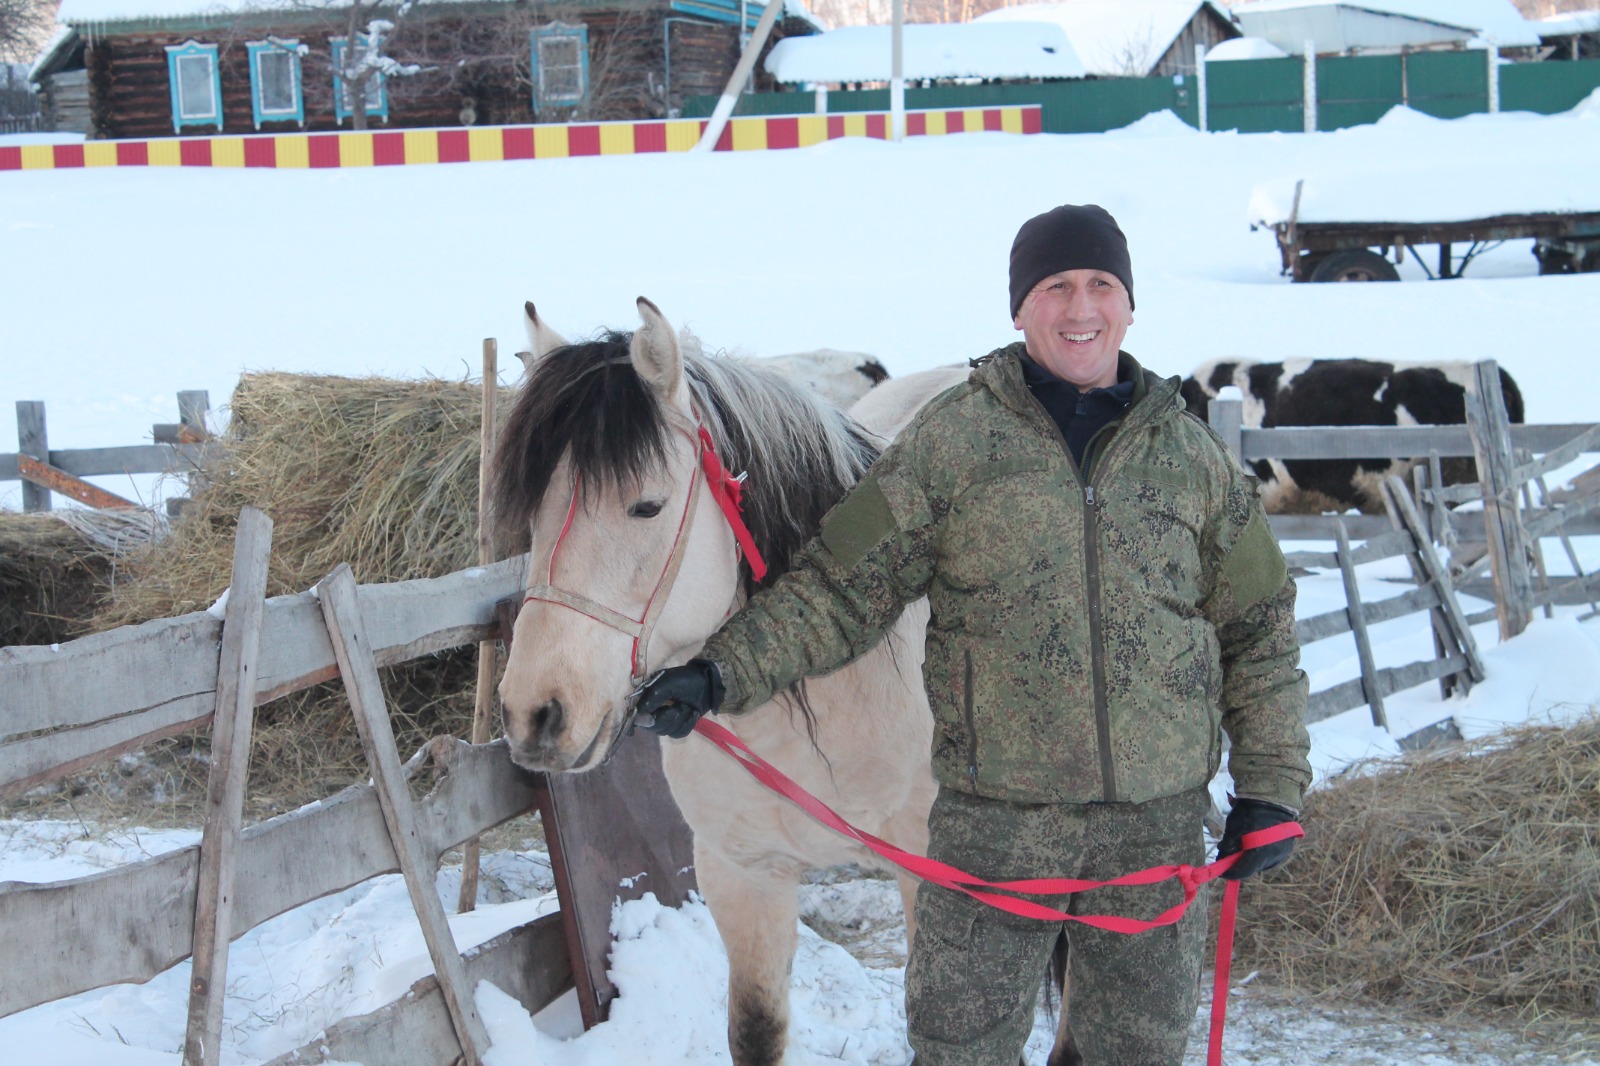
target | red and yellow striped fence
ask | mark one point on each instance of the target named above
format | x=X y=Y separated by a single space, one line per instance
x=481 y=144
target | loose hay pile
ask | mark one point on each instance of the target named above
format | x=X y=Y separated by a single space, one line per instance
x=1458 y=880
x=379 y=473
x=52 y=577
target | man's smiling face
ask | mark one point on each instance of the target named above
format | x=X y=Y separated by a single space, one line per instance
x=1074 y=322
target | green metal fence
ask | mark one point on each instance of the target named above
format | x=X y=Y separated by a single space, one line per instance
x=1252 y=96
x=1255 y=95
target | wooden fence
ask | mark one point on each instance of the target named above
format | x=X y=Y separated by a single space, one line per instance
x=67 y=706
x=1456 y=664
x=41 y=469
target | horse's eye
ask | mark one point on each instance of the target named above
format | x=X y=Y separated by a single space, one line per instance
x=645 y=509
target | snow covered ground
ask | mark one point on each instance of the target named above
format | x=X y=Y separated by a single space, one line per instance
x=124 y=286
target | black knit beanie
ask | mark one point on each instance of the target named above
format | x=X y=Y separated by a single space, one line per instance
x=1069 y=237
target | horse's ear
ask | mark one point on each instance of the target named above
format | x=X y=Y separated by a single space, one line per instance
x=656 y=355
x=543 y=339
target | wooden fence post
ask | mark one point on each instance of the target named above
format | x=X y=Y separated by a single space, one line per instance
x=483 y=697
x=1508 y=550
x=341 y=610
x=231 y=727
x=1227 y=418
x=33 y=441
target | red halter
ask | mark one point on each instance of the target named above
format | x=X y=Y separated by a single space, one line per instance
x=725 y=488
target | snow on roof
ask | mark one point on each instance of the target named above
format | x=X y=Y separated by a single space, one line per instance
x=79 y=12
x=1569 y=23
x=1125 y=37
x=1245 y=48
x=959 y=50
x=1497 y=19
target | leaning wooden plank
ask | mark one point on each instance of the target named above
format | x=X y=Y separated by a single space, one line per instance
x=142 y=912
x=341 y=607
x=1451 y=627
x=232 y=725
x=1358 y=629
x=528 y=963
x=57 y=480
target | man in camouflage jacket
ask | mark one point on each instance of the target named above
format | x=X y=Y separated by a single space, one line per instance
x=1107 y=601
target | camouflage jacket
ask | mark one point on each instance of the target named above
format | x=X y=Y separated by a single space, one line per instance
x=1091 y=637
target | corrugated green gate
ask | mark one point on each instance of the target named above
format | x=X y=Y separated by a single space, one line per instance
x=1250 y=95
x=1255 y=95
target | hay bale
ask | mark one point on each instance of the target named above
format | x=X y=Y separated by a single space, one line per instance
x=1464 y=879
x=379 y=473
x=52 y=578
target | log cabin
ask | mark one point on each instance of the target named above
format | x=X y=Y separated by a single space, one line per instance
x=154 y=68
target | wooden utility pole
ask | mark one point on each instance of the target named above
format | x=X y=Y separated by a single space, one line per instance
x=483 y=706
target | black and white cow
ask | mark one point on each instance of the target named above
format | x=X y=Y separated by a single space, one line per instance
x=1342 y=392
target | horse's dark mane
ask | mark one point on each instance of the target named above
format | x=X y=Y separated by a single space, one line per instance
x=586 y=399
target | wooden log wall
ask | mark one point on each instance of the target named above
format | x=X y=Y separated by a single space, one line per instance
x=476 y=69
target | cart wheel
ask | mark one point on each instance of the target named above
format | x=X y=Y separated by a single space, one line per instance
x=1355 y=264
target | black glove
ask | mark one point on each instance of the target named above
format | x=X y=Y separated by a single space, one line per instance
x=1247 y=816
x=675 y=699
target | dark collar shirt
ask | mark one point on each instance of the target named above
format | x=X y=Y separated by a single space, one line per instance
x=1079 y=415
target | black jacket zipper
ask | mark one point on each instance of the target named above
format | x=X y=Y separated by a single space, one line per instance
x=1097 y=664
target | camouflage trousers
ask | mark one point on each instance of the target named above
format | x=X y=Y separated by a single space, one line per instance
x=974 y=976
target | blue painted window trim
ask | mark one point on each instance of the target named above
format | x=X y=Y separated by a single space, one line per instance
x=721 y=10
x=185 y=55
x=553 y=32
x=340 y=111
x=274 y=46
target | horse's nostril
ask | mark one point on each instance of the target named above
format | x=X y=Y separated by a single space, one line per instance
x=547 y=719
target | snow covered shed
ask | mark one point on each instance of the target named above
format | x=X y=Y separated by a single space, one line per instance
x=1574 y=35
x=1345 y=27
x=1129 y=38
x=151 y=68
x=932 y=53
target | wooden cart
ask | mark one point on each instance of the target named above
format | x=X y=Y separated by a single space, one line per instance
x=1564 y=243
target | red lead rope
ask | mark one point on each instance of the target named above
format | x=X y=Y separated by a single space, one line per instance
x=990 y=892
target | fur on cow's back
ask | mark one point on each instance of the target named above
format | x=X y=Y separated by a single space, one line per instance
x=1342 y=392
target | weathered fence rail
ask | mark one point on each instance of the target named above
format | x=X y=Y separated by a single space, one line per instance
x=63 y=707
x=133 y=922
x=182 y=446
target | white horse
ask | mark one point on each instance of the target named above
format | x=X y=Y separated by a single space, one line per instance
x=602 y=469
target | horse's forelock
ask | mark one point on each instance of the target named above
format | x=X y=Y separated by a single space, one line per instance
x=584 y=400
